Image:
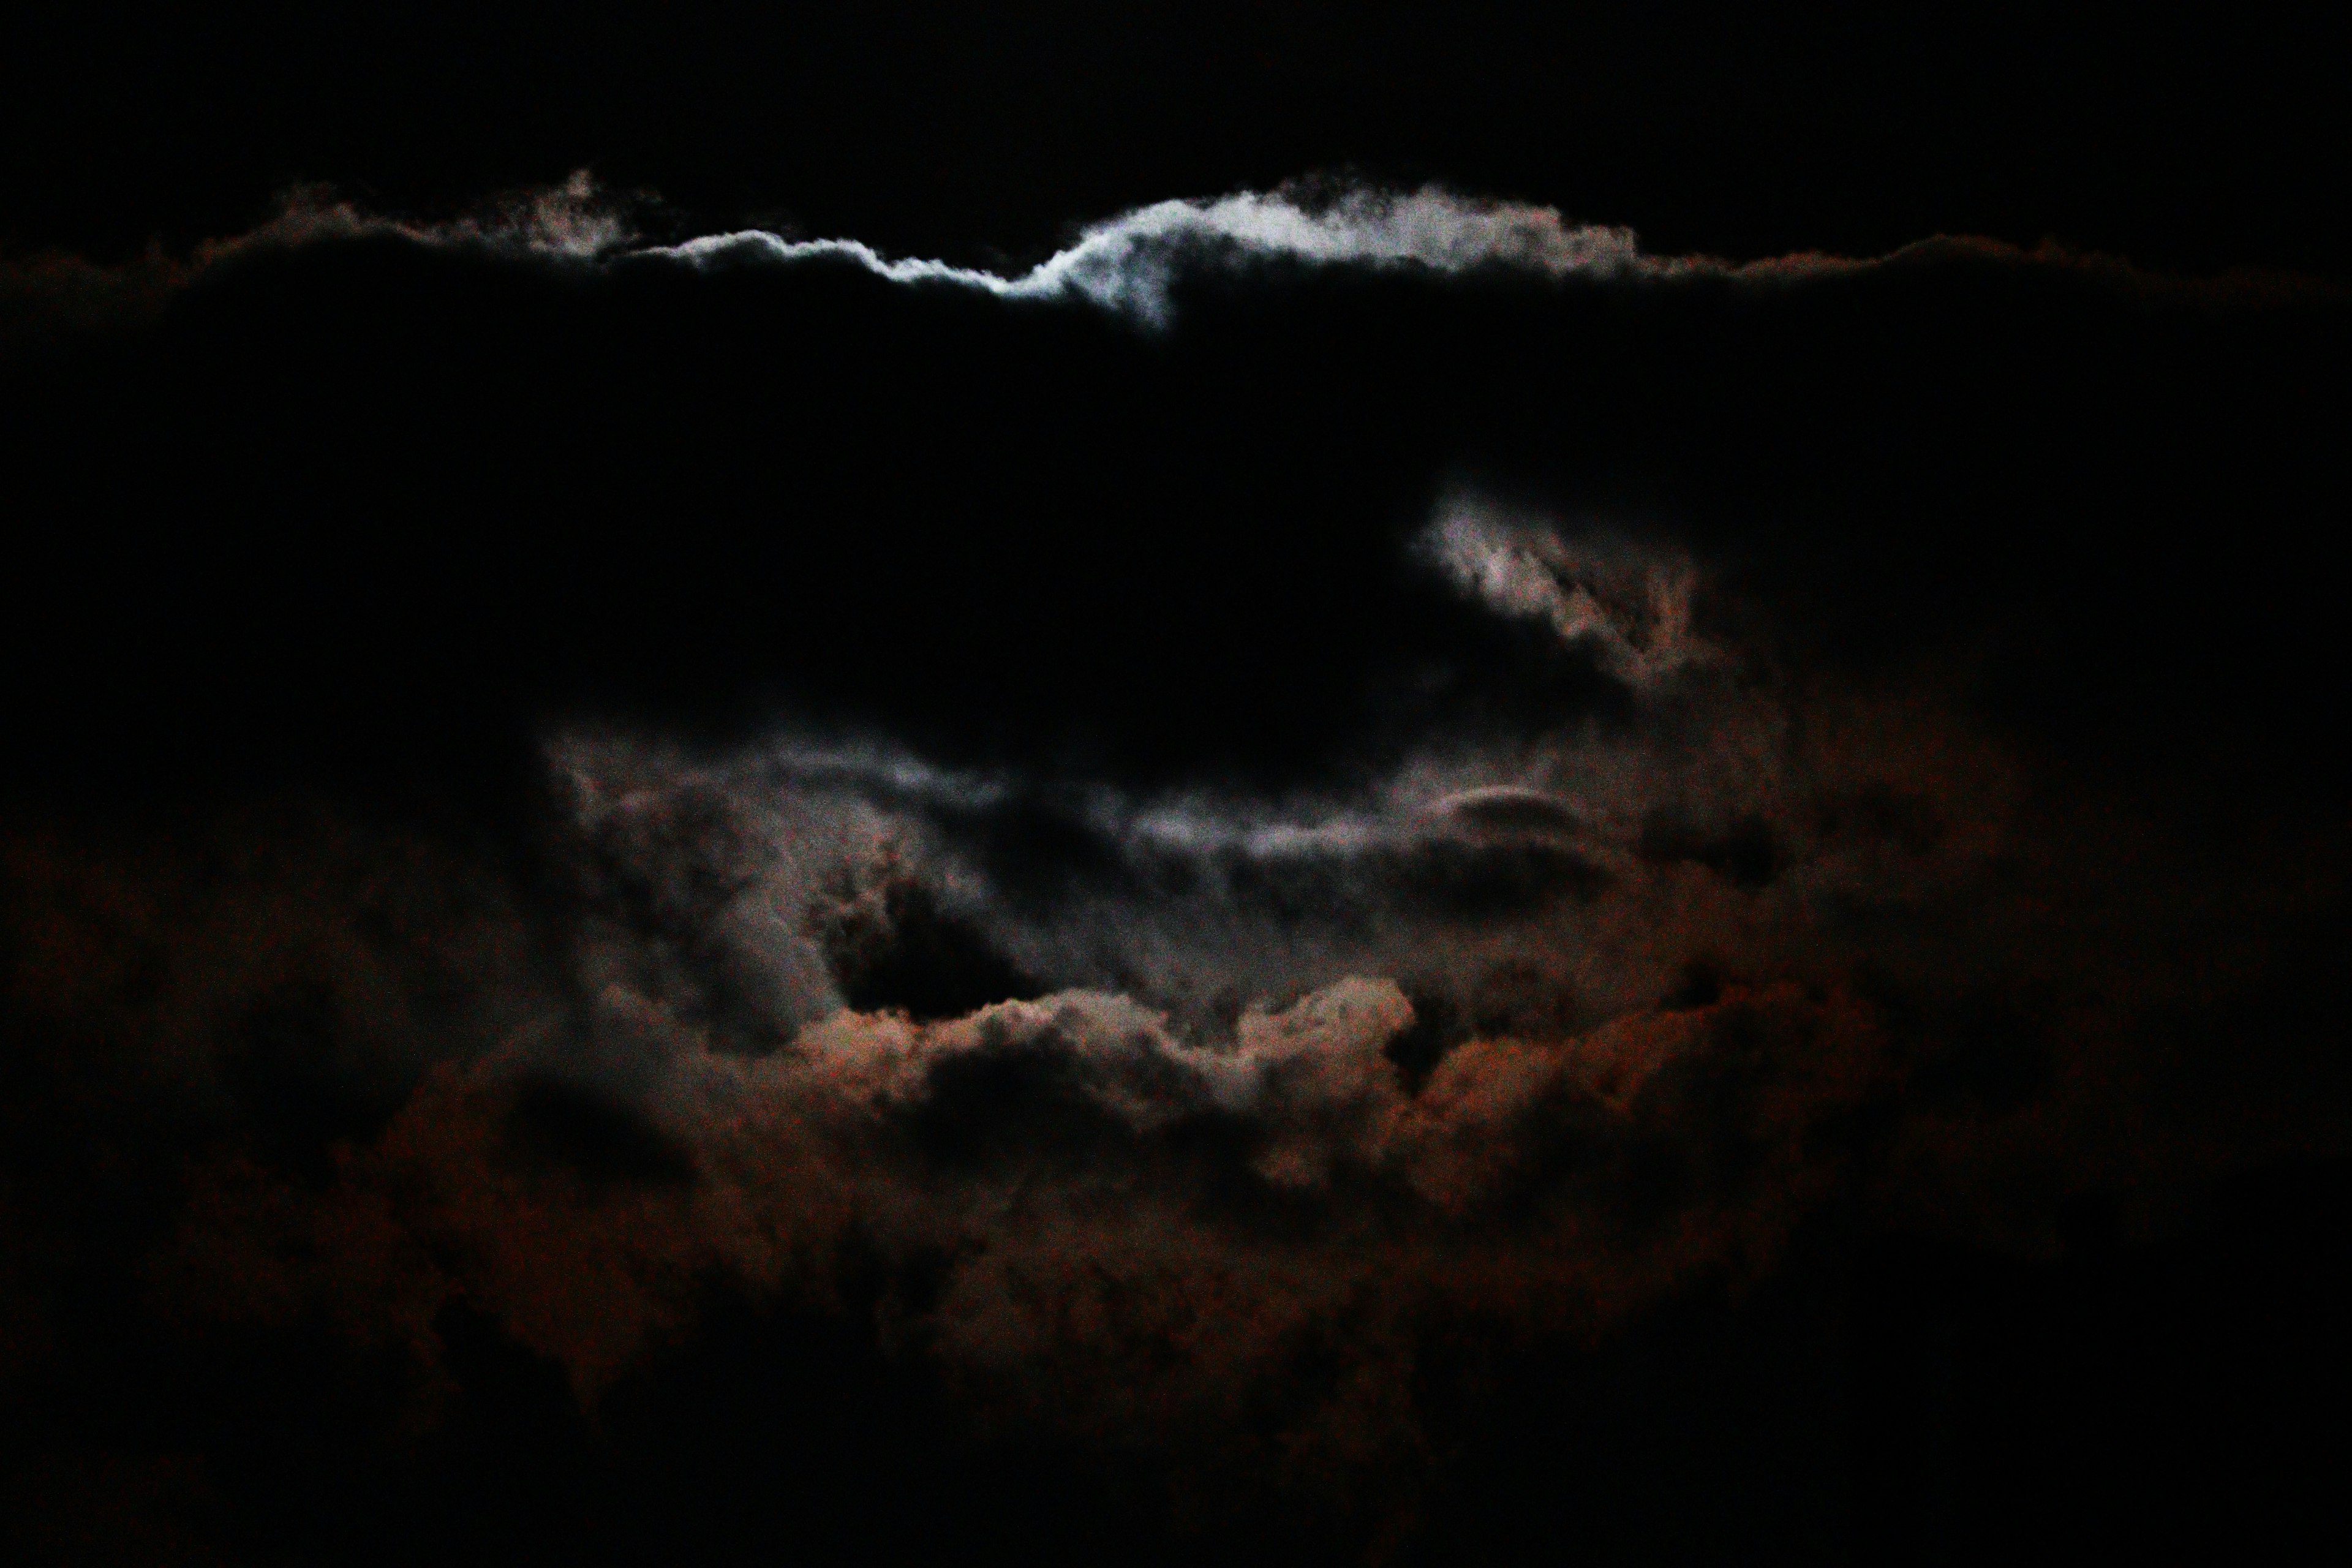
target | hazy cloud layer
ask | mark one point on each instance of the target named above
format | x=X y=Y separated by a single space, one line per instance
x=571 y=786
x=1155 y=1094
x=1127 y=265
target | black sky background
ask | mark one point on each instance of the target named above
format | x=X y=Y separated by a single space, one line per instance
x=2184 y=136
x=322 y=556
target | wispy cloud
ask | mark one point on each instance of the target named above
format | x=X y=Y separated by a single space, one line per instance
x=1633 y=606
x=1130 y=265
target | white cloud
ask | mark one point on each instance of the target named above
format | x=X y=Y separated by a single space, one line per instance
x=1128 y=264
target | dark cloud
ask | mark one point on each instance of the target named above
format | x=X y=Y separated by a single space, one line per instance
x=891 y=948
x=1957 y=451
x=1180 y=850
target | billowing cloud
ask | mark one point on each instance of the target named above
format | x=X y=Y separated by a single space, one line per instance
x=1152 y=1093
x=1166 y=879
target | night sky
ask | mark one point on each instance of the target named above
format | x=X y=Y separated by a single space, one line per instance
x=1177 y=784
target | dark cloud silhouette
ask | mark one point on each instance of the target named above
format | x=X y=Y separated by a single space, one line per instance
x=1169 y=858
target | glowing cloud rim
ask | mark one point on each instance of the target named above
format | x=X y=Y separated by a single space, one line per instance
x=1127 y=265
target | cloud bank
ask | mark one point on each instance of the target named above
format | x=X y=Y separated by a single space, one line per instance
x=575 y=793
x=1131 y=265
x=1136 y=1100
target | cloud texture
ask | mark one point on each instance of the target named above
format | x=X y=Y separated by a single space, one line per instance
x=1128 y=265
x=1172 y=880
